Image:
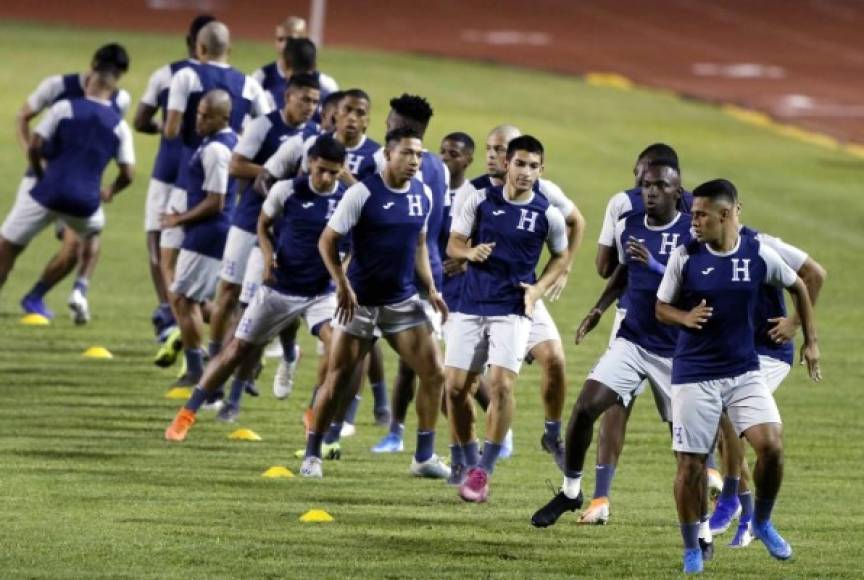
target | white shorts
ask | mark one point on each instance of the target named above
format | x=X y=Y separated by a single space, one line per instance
x=775 y=371
x=252 y=276
x=271 y=311
x=172 y=238
x=542 y=327
x=476 y=341
x=158 y=193
x=620 y=313
x=696 y=409
x=624 y=367
x=29 y=217
x=196 y=277
x=434 y=319
x=236 y=255
x=389 y=319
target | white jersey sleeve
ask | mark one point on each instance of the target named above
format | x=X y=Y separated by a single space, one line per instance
x=670 y=285
x=46 y=93
x=58 y=111
x=285 y=162
x=304 y=159
x=381 y=162
x=348 y=211
x=463 y=193
x=328 y=83
x=253 y=137
x=793 y=256
x=159 y=81
x=464 y=218
x=617 y=206
x=183 y=83
x=126 y=148
x=261 y=102
x=215 y=158
x=556 y=237
x=431 y=198
x=556 y=197
x=124 y=99
x=619 y=242
x=778 y=273
x=279 y=194
x=258 y=75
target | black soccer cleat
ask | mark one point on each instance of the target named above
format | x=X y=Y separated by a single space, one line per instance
x=549 y=513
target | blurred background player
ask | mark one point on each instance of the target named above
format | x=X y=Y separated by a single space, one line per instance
x=165 y=168
x=75 y=250
x=273 y=76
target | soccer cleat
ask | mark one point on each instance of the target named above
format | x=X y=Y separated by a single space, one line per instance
x=475 y=488
x=311 y=468
x=743 y=537
x=186 y=380
x=331 y=451
x=251 y=390
x=725 y=511
x=163 y=322
x=382 y=416
x=36 y=305
x=774 y=542
x=348 y=430
x=707 y=547
x=458 y=473
x=180 y=426
x=283 y=382
x=549 y=513
x=78 y=307
x=715 y=483
x=170 y=349
x=214 y=401
x=693 y=563
x=597 y=512
x=432 y=468
x=390 y=443
x=228 y=413
x=507 y=446
x=556 y=448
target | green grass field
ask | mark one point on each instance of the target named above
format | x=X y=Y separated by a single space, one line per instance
x=90 y=489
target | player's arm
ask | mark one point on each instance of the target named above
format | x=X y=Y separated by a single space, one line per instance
x=615 y=286
x=214 y=158
x=178 y=98
x=43 y=132
x=667 y=294
x=210 y=206
x=424 y=273
x=34 y=154
x=345 y=217
x=813 y=275
x=22 y=126
x=243 y=168
x=459 y=244
x=556 y=243
x=265 y=242
x=278 y=165
x=145 y=119
x=145 y=115
x=575 y=223
x=48 y=90
x=125 y=164
x=606 y=258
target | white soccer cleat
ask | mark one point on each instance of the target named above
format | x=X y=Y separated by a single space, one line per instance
x=715 y=483
x=311 y=468
x=274 y=349
x=78 y=307
x=348 y=430
x=283 y=382
x=597 y=513
x=433 y=468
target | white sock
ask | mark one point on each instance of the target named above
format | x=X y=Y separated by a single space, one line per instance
x=705 y=530
x=572 y=486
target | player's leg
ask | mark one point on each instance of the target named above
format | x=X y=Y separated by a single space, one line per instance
x=549 y=354
x=26 y=219
x=459 y=384
x=403 y=393
x=731 y=449
x=57 y=268
x=155 y=205
x=91 y=248
x=378 y=384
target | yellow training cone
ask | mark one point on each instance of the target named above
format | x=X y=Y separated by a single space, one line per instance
x=316 y=516
x=244 y=435
x=179 y=393
x=278 y=472
x=97 y=352
x=34 y=320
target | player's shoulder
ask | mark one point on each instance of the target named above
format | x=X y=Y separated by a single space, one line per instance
x=481 y=182
x=370 y=144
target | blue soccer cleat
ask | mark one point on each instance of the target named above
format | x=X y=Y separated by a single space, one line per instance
x=725 y=511
x=391 y=443
x=36 y=305
x=743 y=536
x=774 y=542
x=693 y=561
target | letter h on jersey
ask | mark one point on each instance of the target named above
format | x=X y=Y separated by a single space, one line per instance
x=740 y=273
x=415 y=205
x=528 y=220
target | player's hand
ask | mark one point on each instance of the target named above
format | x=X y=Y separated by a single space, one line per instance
x=267 y=274
x=637 y=251
x=480 y=252
x=784 y=329
x=263 y=182
x=698 y=316
x=347 y=178
x=106 y=195
x=346 y=302
x=555 y=289
x=168 y=220
x=588 y=323
x=453 y=267
x=532 y=295
x=810 y=357
x=437 y=302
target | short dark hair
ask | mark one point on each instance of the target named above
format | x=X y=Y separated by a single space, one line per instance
x=328 y=148
x=195 y=27
x=461 y=137
x=111 y=58
x=717 y=190
x=658 y=151
x=397 y=135
x=332 y=99
x=665 y=162
x=303 y=80
x=524 y=143
x=356 y=94
x=412 y=107
x=301 y=54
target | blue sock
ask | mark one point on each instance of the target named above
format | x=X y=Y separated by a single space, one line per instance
x=289 y=353
x=39 y=290
x=457 y=456
x=762 y=511
x=397 y=428
x=552 y=429
x=730 y=488
x=603 y=475
x=425 y=445
x=237 y=388
x=690 y=535
x=490 y=456
x=746 y=500
x=196 y=399
x=351 y=413
x=334 y=432
x=194 y=362
x=379 y=394
x=471 y=453
x=313 y=444
x=710 y=461
x=214 y=348
x=82 y=284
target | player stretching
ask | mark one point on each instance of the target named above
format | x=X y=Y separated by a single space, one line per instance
x=501 y=232
x=710 y=290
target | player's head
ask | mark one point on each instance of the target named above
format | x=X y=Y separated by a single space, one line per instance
x=326 y=161
x=661 y=188
x=403 y=150
x=411 y=111
x=302 y=95
x=457 y=152
x=329 y=108
x=214 y=110
x=496 y=149
x=524 y=163
x=110 y=59
x=301 y=55
x=214 y=42
x=650 y=153
x=352 y=115
x=195 y=27
x=291 y=27
x=715 y=209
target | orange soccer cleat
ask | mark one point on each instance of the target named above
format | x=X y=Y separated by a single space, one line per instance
x=180 y=426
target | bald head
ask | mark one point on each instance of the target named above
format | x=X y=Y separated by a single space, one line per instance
x=214 y=41
x=214 y=112
x=505 y=132
x=496 y=149
x=219 y=102
x=294 y=27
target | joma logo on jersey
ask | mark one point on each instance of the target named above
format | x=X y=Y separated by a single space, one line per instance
x=353 y=162
x=527 y=220
x=668 y=243
x=740 y=272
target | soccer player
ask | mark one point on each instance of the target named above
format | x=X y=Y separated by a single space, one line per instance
x=386 y=216
x=643 y=347
x=296 y=282
x=329 y=108
x=710 y=290
x=165 y=168
x=77 y=138
x=205 y=224
x=302 y=57
x=75 y=250
x=501 y=232
x=273 y=76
